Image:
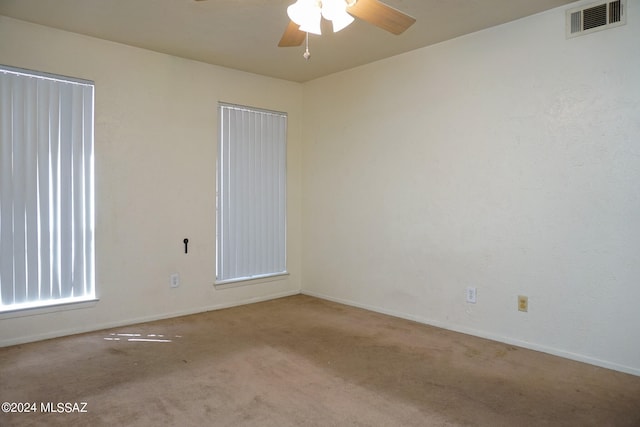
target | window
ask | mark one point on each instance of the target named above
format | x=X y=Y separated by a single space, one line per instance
x=251 y=194
x=46 y=190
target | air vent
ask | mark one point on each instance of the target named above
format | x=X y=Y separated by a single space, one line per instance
x=595 y=17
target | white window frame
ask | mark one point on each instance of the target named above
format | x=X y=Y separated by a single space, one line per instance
x=251 y=220
x=47 y=214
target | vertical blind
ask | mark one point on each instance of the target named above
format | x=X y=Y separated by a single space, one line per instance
x=46 y=190
x=251 y=194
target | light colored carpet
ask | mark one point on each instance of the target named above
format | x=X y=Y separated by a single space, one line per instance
x=301 y=361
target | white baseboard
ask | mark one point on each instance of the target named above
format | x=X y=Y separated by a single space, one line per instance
x=483 y=334
x=133 y=321
x=419 y=319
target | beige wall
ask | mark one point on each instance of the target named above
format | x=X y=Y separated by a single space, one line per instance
x=506 y=160
x=155 y=140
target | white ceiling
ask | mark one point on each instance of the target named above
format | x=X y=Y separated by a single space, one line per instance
x=243 y=34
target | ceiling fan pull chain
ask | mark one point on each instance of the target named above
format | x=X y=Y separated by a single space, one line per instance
x=307 y=54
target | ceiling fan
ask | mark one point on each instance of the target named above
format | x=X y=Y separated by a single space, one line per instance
x=306 y=16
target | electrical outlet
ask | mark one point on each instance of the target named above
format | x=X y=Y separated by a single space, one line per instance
x=523 y=303
x=174 y=280
x=471 y=295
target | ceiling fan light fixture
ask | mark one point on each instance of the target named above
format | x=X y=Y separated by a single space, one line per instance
x=307 y=14
x=341 y=21
x=336 y=12
x=312 y=26
x=306 y=17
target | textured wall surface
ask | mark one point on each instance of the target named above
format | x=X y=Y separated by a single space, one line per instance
x=506 y=160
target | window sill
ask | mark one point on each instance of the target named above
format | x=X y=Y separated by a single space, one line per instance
x=235 y=283
x=36 y=311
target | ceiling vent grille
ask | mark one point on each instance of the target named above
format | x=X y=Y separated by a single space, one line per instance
x=595 y=17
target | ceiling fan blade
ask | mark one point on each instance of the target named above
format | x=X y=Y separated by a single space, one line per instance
x=292 y=36
x=381 y=15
